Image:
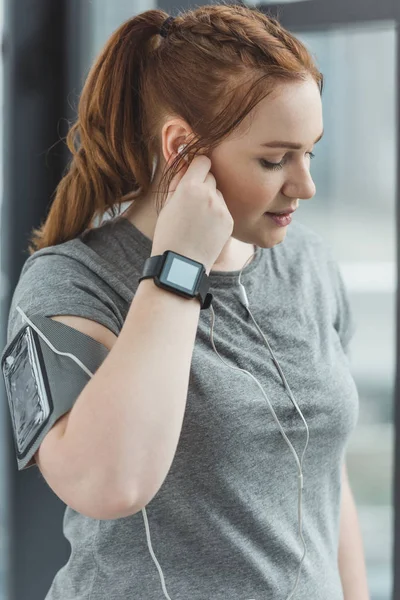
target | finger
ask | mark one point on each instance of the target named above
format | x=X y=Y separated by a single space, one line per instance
x=220 y=196
x=211 y=181
x=177 y=178
x=198 y=169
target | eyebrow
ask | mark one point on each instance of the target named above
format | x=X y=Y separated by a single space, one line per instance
x=290 y=145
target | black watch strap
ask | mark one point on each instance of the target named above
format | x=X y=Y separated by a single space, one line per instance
x=153 y=266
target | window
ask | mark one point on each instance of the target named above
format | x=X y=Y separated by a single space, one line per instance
x=354 y=210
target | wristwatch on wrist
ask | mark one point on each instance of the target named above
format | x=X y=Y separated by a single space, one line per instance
x=180 y=275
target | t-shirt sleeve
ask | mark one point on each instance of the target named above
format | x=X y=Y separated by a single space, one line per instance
x=344 y=318
x=51 y=285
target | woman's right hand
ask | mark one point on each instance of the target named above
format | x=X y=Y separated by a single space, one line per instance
x=195 y=220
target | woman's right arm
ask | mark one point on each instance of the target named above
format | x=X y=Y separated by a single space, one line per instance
x=117 y=445
x=108 y=457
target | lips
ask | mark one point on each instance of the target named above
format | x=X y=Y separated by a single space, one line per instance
x=281 y=214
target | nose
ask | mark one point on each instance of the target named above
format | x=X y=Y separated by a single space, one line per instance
x=299 y=184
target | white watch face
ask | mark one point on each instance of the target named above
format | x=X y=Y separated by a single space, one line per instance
x=183 y=274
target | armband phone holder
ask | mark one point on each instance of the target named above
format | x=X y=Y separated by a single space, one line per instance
x=42 y=385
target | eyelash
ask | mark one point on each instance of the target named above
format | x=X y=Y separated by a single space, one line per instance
x=277 y=166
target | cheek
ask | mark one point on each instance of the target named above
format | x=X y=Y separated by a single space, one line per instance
x=263 y=187
x=256 y=194
x=245 y=188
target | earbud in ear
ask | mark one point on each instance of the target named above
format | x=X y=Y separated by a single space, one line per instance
x=181 y=148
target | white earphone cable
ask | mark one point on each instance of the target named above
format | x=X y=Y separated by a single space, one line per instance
x=244 y=301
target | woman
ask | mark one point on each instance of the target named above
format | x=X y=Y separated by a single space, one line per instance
x=207 y=123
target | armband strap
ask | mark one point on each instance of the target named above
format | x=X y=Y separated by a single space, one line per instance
x=41 y=385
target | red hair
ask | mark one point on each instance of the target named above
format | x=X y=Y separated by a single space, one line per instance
x=216 y=64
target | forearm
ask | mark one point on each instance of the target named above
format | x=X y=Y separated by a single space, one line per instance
x=126 y=423
x=352 y=566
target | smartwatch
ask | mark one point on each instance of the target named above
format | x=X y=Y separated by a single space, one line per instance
x=180 y=275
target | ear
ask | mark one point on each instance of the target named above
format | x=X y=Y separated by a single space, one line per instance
x=175 y=132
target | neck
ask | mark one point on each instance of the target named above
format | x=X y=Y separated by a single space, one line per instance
x=142 y=214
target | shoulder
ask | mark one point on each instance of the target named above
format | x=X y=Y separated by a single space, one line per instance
x=56 y=262
x=49 y=272
x=59 y=280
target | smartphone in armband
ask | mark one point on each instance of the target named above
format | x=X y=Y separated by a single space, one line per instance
x=27 y=388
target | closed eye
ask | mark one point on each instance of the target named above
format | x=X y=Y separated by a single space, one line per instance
x=276 y=166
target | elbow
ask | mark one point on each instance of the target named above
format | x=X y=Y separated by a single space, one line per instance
x=117 y=502
x=92 y=495
x=104 y=504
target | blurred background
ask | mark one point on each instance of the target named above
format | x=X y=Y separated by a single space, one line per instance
x=47 y=49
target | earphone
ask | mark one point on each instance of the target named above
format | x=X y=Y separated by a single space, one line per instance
x=180 y=149
x=155 y=162
x=244 y=301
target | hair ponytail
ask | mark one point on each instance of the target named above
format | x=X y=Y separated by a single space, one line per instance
x=109 y=161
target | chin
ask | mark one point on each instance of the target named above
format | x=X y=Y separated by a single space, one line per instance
x=262 y=239
x=272 y=240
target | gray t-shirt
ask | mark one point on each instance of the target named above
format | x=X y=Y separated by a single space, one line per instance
x=224 y=524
